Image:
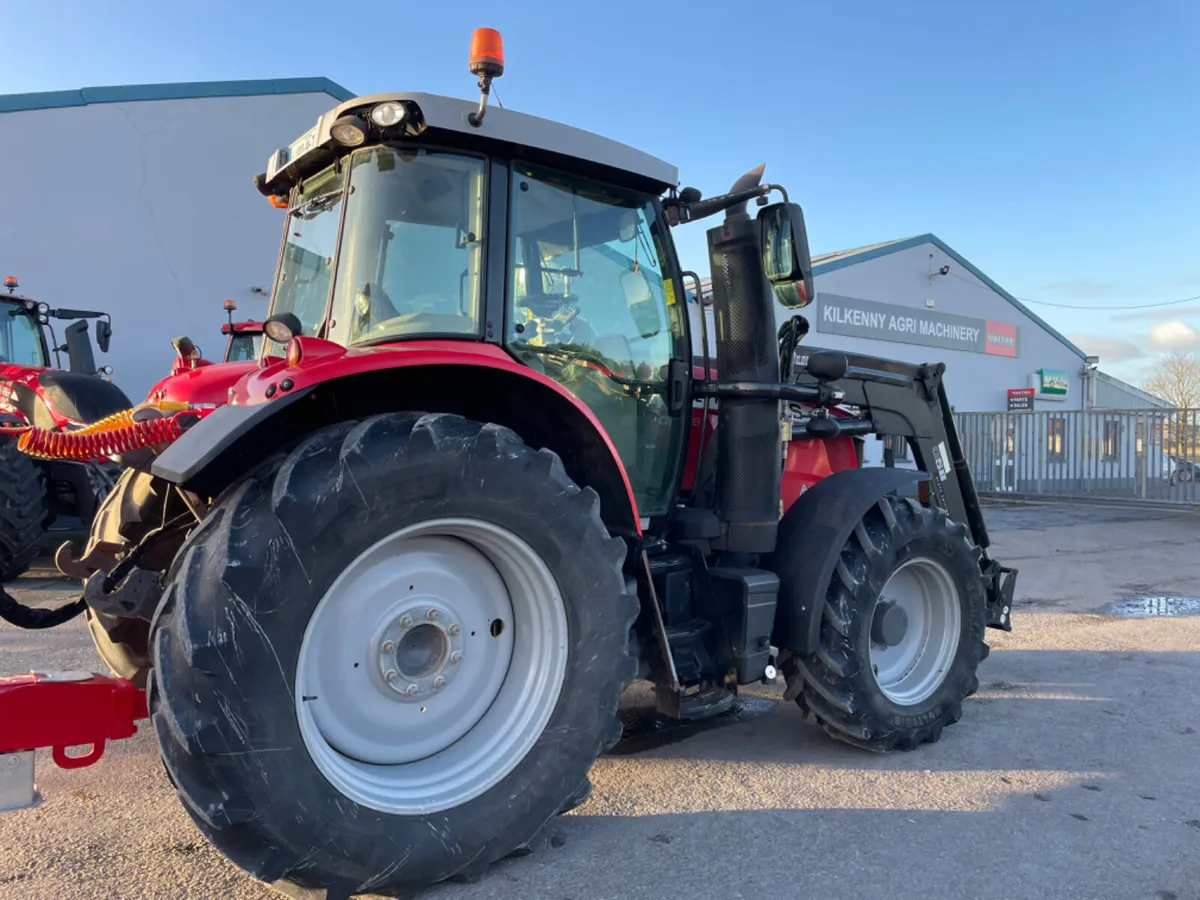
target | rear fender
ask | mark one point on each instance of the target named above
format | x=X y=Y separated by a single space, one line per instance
x=811 y=536
x=332 y=384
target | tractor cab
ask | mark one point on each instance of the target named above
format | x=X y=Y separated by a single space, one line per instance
x=26 y=325
x=411 y=219
x=244 y=338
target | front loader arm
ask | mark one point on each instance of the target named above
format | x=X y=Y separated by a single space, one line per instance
x=906 y=400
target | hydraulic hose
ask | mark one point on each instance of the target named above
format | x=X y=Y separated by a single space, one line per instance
x=17 y=613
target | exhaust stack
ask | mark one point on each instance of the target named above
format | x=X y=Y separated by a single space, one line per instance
x=748 y=437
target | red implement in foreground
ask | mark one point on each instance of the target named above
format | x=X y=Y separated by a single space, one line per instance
x=58 y=710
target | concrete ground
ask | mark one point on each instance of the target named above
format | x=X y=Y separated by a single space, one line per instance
x=1075 y=772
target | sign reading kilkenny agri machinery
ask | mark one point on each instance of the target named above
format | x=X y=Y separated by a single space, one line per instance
x=907 y=325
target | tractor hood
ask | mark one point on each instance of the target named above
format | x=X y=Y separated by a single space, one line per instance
x=207 y=384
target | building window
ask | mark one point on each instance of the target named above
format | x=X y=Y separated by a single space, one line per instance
x=1112 y=441
x=1056 y=439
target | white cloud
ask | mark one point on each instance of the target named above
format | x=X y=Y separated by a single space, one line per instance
x=1174 y=335
x=1109 y=349
x=1082 y=289
x=1165 y=312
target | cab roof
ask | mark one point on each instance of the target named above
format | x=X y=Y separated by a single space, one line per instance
x=446 y=117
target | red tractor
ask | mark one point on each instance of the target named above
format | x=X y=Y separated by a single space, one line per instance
x=34 y=493
x=387 y=584
x=245 y=338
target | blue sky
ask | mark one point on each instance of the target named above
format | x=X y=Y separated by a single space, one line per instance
x=1055 y=145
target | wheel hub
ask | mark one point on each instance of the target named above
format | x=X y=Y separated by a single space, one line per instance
x=915 y=631
x=421 y=649
x=431 y=665
x=889 y=625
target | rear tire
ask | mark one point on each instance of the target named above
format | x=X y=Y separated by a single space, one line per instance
x=245 y=646
x=24 y=515
x=881 y=697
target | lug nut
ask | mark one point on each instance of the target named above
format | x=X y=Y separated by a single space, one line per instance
x=456 y=657
x=389 y=676
x=411 y=690
x=388 y=647
x=406 y=621
x=432 y=615
x=439 y=683
x=453 y=629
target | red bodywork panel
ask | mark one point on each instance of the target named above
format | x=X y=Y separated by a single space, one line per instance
x=323 y=361
x=28 y=376
x=810 y=461
x=248 y=327
x=42 y=710
x=207 y=383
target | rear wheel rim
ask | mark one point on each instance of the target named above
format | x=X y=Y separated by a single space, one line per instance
x=909 y=672
x=431 y=666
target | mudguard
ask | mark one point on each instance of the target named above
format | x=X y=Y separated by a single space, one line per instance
x=277 y=404
x=226 y=429
x=811 y=536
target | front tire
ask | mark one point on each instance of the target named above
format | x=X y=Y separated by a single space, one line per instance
x=902 y=629
x=308 y=621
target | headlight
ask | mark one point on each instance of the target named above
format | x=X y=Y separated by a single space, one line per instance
x=43 y=309
x=387 y=114
x=349 y=131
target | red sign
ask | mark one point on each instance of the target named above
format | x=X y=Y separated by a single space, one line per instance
x=1019 y=398
x=1000 y=339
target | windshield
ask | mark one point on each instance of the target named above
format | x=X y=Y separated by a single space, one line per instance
x=20 y=338
x=243 y=347
x=412 y=252
x=308 y=252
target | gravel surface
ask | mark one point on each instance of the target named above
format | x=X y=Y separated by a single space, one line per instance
x=1075 y=772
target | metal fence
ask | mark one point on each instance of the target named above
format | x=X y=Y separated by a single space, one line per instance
x=1133 y=454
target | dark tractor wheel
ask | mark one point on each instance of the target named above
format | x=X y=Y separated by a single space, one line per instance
x=390 y=658
x=24 y=514
x=901 y=632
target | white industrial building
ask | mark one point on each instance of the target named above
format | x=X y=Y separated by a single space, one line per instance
x=918 y=300
x=139 y=201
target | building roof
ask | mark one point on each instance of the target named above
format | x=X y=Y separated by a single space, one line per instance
x=831 y=262
x=194 y=90
x=1116 y=385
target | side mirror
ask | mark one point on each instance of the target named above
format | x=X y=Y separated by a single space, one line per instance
x=640 y=300
x=103 y=334
x=628 y=229
x=785 y=254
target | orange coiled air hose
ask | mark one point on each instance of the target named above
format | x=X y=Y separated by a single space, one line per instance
x=111 y=436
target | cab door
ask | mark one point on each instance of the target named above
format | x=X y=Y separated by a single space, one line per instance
x=593 y=305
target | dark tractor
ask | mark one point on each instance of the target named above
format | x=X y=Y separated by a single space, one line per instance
x=387 y=596
x=35 y=492
x=244 y=338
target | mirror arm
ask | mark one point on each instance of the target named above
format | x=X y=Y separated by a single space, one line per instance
x=680 y=213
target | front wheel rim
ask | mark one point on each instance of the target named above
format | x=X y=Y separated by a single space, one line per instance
x=431 y=666
x=912 y=669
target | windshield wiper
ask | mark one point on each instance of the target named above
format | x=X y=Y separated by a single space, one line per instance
x=312 y=208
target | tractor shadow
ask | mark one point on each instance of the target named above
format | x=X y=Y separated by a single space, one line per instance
x=1055 y=710
x=1073 y=774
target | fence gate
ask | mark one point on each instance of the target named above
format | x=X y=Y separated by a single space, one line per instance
x=1139 y=454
